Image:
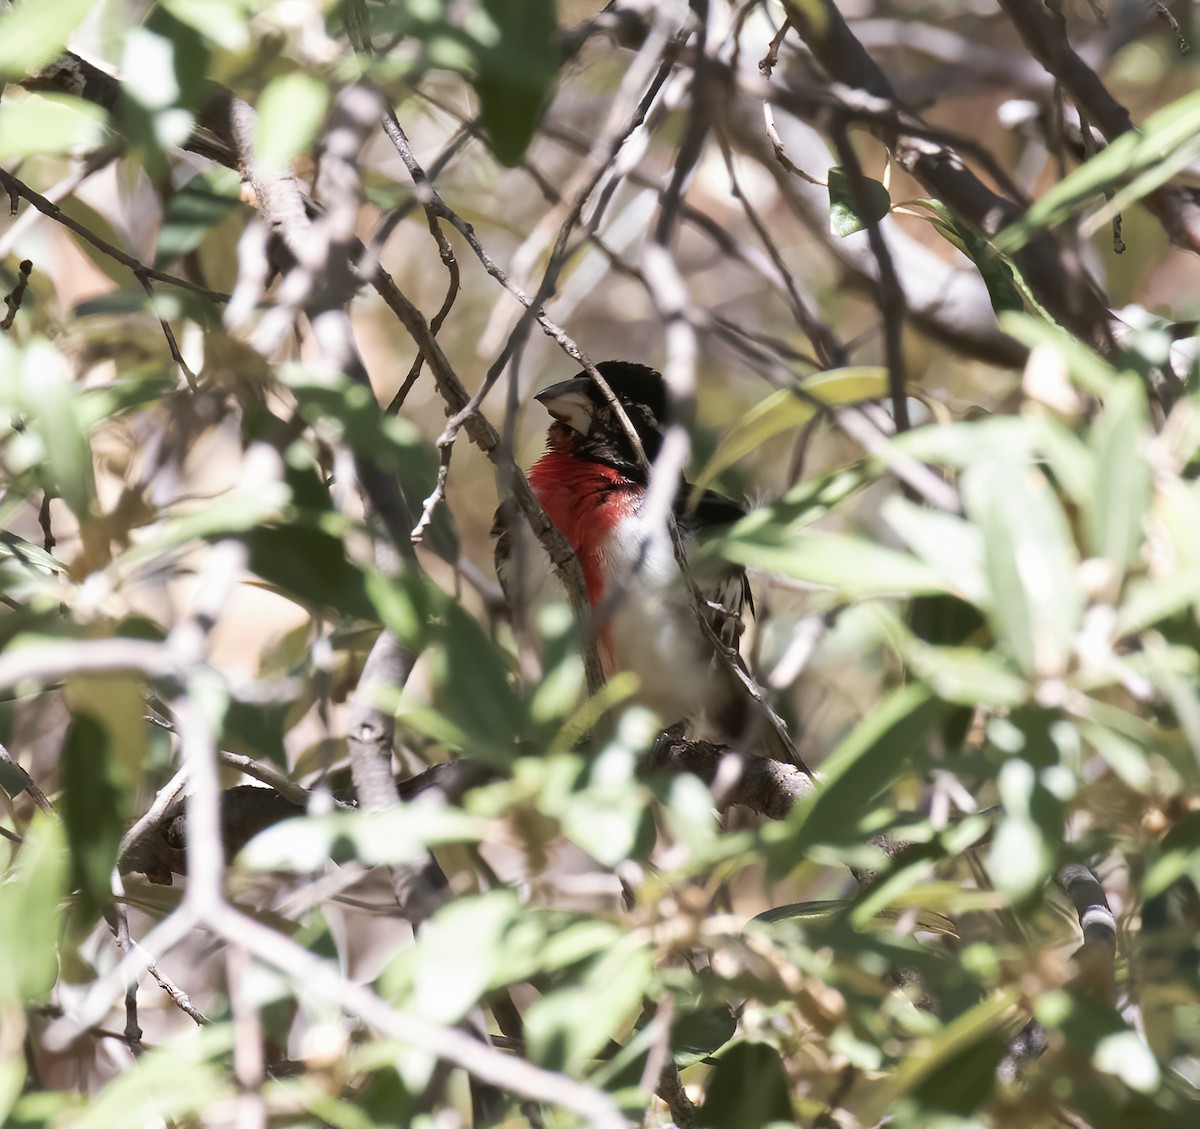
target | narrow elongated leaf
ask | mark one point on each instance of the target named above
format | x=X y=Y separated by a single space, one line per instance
x=1124 y=481
x=850 y=565
x=1175 y=127
x=867 y=761
x=787 y=409
x=93 y=809
x=948 y=544
x=30 y=913
x=1031 y=563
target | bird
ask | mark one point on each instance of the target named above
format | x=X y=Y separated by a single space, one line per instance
x=592 y=486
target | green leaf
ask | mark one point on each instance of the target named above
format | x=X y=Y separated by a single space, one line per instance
x=702 y=1032
x=517 y=61
x=1167 y=138
x=44 y=124
x=48 y=394
x=945 y=542
x=851 y=566
x=310 y=567
x=874 y=753
x=787 y=409
x=166 y=1084
x=399 y=835
x=1124 y=481
x=609 y=995
x=193 y=210
x=290 y=111
x=993 y=268
x=30 y=914
x=32 y=33
x=224 y=22
x=1090 y=371
x=748 y=1090
x=845 y=217
x=967 y=676
x=459 y=954
x=94 y=810
x=1031 y=563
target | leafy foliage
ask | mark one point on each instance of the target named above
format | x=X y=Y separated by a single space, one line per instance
x=994 y=666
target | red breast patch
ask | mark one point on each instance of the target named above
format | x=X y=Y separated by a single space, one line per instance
x=585 y=500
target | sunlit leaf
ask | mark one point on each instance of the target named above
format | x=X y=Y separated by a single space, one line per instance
x=32 y=34
x=1168 y=139
x=1124 y=481
x=1031 y=563
x=787 y=409
x=30 y=914
x=290 y=111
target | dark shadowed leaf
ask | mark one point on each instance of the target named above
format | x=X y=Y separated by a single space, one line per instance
x=847 y=212
x=517 y=61
x=748 y=1090
x=310 y=567
x=93 y=810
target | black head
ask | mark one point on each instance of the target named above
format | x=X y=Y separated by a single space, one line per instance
x=586 y=423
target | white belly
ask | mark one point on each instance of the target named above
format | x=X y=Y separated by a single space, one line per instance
x=652 y=630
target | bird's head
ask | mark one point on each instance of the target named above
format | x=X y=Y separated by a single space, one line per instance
x=586 y=426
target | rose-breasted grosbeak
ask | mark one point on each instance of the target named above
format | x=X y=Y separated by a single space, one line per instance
x=592 y=487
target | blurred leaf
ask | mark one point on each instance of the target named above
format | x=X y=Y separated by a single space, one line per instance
x=224 y=22
x=966 y=676
x=394 y=443
x=94 y=811
x=703 y=1031
x=787 y=409
x=748 y=1089
x=193 y=210
x=43 y=124
x=1020 y=857
x=399 y=835
x=459 y=954
x=1167 y=141
x=1124 y=480
x=30 y=913
x=610 y=995
x=49 y=397
x=310 y=567
x=517 y=60
x=945 y=542
x=31 y=34
x=290 y=111
x=1088 y=369
x=865 y=762
x=1031 y=563
x=851 y=566
x=170 y=1082
x=847 y=213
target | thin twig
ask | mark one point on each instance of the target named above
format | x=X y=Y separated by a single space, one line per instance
x=140 y=270
x=16 y=296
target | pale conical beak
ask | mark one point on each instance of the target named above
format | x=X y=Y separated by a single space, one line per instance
x=569 y=403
